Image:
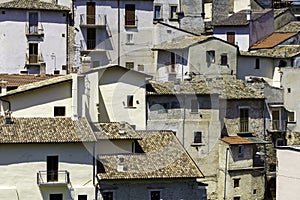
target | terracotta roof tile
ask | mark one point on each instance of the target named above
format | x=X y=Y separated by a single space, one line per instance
x=164 y=158
x=45 y=130
x=235 y=140
x=33 y=4
x=114 y=130
x=15 y=80
x=227 y=88
x=273 y=40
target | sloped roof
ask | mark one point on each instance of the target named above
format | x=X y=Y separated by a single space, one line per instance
x=293 y=26
x=236 y=140
x=240 y=18
x=227 y=88
x=272 y=40
x=114 y=131
x=281 y=51
x=182 y=43
x=163 y=158
x=15 y=80
x=39 y=84
x=278 y=12
x=45 y=130
x=33 y=4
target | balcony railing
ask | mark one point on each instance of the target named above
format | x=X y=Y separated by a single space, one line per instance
x=93 y=20
x=54 y=178
x=277 y=125
x=244 y=125
x=34 y=30
x=91 y=45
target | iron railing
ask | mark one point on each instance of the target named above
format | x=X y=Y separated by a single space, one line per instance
x=90 y=20
x=61 y=177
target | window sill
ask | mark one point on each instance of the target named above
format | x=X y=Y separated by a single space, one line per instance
x=130 y=26
x=158 y=19
x=130 y=107
x=291 y=122
x=197 y=144
x=173 y=19
x=194 y=113
x=129 y=43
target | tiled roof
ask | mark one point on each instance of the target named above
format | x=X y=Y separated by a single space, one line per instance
x=114 y=130
x=273 y=40
x=280 y=11
x=15 y=80
x=164 y=158
x=240 y=18
x=45 y=130
x=33 y=4
x=227 y=88
x=182 y=43
x=293 y=26
x=39 y=84
x=235 y=140
x=281 y=51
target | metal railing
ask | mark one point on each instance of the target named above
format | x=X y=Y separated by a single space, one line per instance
x=90 y=20
x=53 y=177
x=244 y=125
x=34 y=30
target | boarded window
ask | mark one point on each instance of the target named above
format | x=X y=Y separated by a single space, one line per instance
x=52 y=168
x=231 y=37
x=129 y=15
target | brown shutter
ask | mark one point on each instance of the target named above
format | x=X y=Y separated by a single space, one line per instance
x=90 y=12
x=130 y=14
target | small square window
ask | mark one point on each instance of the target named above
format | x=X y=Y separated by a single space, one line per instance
x=129 y=65
x=236 y=182
x=82 y=197
x=198 y=137
x=210 y=56
x=108 y=195
x=292 y=117
x=173 y=10
x=141 y=68
x=224 y=59
x=155 y=195
x=55 y=196
x=59 y=111
x=241 y=151
x=236 y=198
x=130 y=101
x=289 y=90
x=63 y=35
x=129 y=38
x=3 y=12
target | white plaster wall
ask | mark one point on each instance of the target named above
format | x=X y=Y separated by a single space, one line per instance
x=41 y=102
x=288 y=175
x=241 y=38
x=20 y=164
x=114 y=146
x=14 y=42
x=246 y=67
x=241 y=5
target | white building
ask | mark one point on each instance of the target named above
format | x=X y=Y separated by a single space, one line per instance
x=33 y=37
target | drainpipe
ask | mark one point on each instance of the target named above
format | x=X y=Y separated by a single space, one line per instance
x=183 y=122
x=225 y=172
x=119 y=27
x=265 y=149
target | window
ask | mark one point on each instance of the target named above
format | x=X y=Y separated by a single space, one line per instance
x=141 y=68
x=33 y=22
x=130 y=15
x=291 y=117
x=173 y=10
x=33 y=52
x=257 y=63
x=236 y=182
x=279 y=142
x=52 y=168
x=241 y=150
x=59 y=111
x=129 y=65
x=91 y=38
x=157 y=12
x=130 y=101
x=194 y=106
x=198 y=137
x=231 y=37
x=56 y=197
x=289 y=90
x=224 y=59
x=82 y=197
x=236 y=198
x=155 y=195
x=244 y=119
x=129 y=38
x=108 y=195
x=210 y=56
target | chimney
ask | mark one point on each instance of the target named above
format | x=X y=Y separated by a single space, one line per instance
x=85 y=63
x=3 y=85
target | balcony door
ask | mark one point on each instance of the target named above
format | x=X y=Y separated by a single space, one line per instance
x=90 y=12
x=33 y=22
x=52 y=168
x=33 y=53
x=276 y=120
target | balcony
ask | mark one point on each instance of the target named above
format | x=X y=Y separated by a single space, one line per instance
x=37 y=30
x=33 y=59
x=91 y=46
x=130 y=21
x=93 y=20
x=54 y=178
x=276 y=125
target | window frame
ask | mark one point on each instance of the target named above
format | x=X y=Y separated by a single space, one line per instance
x=130 y=12
x=173 y=14
x=60 y=194
x=80 y=196
x=230 y=37
x=160 y=12
x=108 y=191
x=210 y=56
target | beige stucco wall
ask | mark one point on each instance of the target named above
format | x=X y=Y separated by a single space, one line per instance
x=114 y=146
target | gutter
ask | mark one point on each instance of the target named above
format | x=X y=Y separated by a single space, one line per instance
x=9 y=104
